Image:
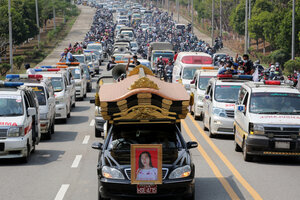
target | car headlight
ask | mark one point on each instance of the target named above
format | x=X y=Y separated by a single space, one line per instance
x=220 y=112
x=43 y=116
x=256 y=129
x=78 y=83
x=112 y=173
x=200 y=98
x=181 y=172
x=187 y=86
x=15 y=132
x=59 y=100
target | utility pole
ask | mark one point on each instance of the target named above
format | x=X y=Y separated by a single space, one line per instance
x=177 y=11
x=220 y=18
x=192 y=8
x=249 y=14
x=212 y=22
x=293 y=31
x=246 y=28
x=10 y=37
x=54 y=23
x=168 y=7
x=37 y=22
x=189 y=8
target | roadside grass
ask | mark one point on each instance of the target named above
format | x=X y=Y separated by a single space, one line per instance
x=48 y=41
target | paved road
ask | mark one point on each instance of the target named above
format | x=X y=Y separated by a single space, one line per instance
x=65 y=167
x=76 y=34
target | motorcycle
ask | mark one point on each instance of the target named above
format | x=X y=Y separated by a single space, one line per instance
x=169 y=76
x=160 y=72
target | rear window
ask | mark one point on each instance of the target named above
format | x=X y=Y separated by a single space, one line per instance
x=180 y=27
x=197 y=60
x=40 y=93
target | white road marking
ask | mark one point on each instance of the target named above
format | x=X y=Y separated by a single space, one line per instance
x=86 y=139
x=62 y=191
x=92 y=123
x=76 y=161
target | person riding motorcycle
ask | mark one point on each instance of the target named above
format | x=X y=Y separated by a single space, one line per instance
x=159 y=62
x=169 y=70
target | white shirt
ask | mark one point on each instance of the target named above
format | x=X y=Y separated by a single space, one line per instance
x=147 y=174
x=30 y=71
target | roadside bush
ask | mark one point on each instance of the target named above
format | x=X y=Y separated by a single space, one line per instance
x=292 y=65
x=4 y=68
x=19 y=60
x=280 y=56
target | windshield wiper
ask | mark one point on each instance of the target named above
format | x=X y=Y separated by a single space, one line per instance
x=269 y=112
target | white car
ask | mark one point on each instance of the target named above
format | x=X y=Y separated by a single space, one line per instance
x=134 y=47
x=267 y=120
x=80 y=81
x=18 y=114
x=198 y=87
x=219 y=101
x=61 y=92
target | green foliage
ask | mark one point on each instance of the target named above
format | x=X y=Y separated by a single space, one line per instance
x=237 y=18
x=280 y=56
x=18 y=61
x=292 y=65
x=4 y=68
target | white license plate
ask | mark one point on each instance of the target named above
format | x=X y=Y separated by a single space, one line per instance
x=282 y=145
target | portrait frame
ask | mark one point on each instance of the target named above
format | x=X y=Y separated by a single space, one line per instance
x=156 y=156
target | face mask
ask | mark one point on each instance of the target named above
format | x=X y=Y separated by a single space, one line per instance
x=245 y=61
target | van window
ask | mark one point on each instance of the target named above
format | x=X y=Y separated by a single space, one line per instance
x=57 y=83
x=227 y=93
x=11 y=105
x=203 y=81
x=40 y=93
x=197 y=60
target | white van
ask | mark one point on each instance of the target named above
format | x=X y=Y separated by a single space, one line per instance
x=267 y=120
x=80 y=81
x=219 y=101
x=186 y=65
x=198 y=87
x=61 y=92
x=17 y=121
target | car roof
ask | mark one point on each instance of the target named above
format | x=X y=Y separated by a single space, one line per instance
x=260 y=87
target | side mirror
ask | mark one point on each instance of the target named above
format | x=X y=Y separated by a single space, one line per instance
x=31 y=111
x=241 y=108
x=92 y=100
x=97 y=145
x=191 y=145
x=207 y=97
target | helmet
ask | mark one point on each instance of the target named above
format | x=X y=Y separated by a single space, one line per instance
x=277 y=64
x=27 y=66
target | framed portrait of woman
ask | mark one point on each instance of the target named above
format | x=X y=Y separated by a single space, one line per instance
x=146 y=164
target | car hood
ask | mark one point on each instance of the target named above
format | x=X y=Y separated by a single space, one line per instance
x=11 y=121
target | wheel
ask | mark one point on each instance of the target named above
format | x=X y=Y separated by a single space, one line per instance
x=84 y=96
x=237 y=148
x=64 y=120
x=97 y=133
x=201 y=116
x=48 y=135
x=26 y=158
x=247 y=157
x=99 y=194
x=211 y=135
x=69 y=115
x=205 y=128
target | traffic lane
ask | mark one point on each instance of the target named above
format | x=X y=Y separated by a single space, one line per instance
x=273 y=172
x=50 y=165
x=211 y=175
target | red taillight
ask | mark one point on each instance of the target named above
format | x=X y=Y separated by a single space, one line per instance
x=197 y=60
x=268 y=82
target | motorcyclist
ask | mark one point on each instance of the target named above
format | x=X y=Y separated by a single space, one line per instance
x=169 y=68
x=159 y=62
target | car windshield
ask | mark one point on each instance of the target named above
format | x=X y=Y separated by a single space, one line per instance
x=94 y=47
x=79 y=58
x=123 y=136
x=40 y=93
x=57 y=84
x=76 y=73
x=165 y=55
x=227 y=93
x=128 y=33
x=133 y=44
x=203 y=81
x=188 y=73
x=144 y=25
x=275 y=103
x=88 y=58
x=11 y=106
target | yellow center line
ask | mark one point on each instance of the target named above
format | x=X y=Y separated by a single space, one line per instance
x=211 y=164
x=235 y=172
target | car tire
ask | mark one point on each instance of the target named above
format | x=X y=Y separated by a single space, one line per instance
x=26 y=158
x=64 y=120
x=237 y=148
x=84 y=96
x=205 y=128
x=74 y=105
x=48 y=135
x=246 y=156
x=97 y=133
x=211 y=135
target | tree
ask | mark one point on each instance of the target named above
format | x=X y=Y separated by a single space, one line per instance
x=237 y=18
